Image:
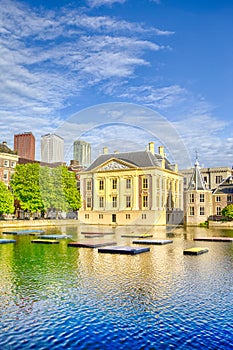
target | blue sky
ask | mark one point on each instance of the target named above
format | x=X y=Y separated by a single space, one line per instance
x=60 y=61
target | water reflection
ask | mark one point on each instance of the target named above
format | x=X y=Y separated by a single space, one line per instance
x=57 y=297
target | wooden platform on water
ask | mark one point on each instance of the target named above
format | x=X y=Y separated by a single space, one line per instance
x=195 y=251
x=97 y=233
x=90 y=244
x=22 y=232
x=143 y=235
x=54 y=236
x=5 y=241
x=45 y=241
x=214 y=239
x=123 y=250
x=153 y=241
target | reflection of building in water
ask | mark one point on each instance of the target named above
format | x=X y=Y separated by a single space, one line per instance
x=203 y=202
x=141 y=188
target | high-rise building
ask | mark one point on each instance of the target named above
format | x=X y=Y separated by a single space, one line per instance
x=52 y=148
x=24 y=145
x=82 y=152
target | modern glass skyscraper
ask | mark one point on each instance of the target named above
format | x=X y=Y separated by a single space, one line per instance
x=52 y=148
x=82 y=152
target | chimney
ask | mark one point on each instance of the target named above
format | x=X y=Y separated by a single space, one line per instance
x=152 y=147
x=105 y=150
x=161 y=151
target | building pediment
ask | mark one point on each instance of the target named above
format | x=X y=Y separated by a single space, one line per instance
x=114 y=164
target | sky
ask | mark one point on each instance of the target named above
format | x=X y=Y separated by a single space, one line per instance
x=120 y=73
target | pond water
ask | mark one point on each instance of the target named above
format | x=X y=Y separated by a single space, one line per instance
x=61 y=297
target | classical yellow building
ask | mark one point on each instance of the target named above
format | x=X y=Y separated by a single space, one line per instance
x=131 y=188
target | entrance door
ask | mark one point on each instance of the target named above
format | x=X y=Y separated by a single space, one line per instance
x=113 y=217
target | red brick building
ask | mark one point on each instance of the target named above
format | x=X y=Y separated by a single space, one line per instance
x=24 y=145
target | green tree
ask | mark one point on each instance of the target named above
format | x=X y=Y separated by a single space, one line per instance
x=6 y=200
x=42 y=188
x=228 y=211
x=59 y=189
x=26 y=187
x=69 y=186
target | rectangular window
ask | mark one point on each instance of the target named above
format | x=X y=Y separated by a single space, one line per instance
x=218 y=199
x=191 y=198
x=205 y=179
x=6 y=163
x=202 y=210
x=145 y=183
x=114 y=201
x=88 y=185
x=89 y=202
x=143 y=216
x=101 y=216
x=202 y=197
x=101 y=185
x=218 y=210
x=5 y=175
x=218 y=179
x=229 y=198
x=128 y=183
x=86 y=216
x=191 y=211
x=185 y=180
x=114 y=184
x=101 y=202
x=13 y=164
x=127 y=216
x=145 y=201
x=128 y=201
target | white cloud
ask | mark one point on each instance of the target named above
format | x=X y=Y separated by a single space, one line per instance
x=97 y=3
x=40 y=70
x=160 y=98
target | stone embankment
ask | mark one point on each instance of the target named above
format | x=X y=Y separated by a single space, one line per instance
x=220 y=223
x=37 y=223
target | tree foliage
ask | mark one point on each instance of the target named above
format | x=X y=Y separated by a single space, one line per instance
x=26 y=187
x=41 y=188
x=59 y=189
x=228 y=211
x=6 y=200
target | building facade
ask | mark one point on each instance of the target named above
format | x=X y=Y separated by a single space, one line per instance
x=82 y=153
x=223 y=196
x=131 y=188
x=8 y=162
x=203 y=202
x=52 y=148
x=212 y=177
x=197 y=198
x=24 y=145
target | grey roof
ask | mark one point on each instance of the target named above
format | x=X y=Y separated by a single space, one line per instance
x=225 y=187
x=140 y=159
x=196 y=182
x=5 y=149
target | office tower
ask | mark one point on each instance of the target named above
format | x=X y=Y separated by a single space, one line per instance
x=24 y=145
x=52 y=148
x=82 y=152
